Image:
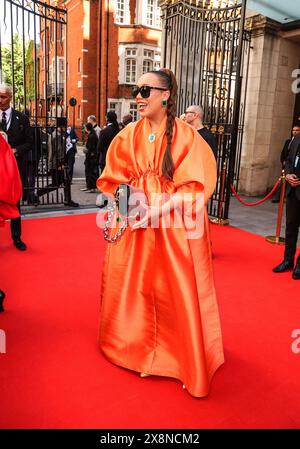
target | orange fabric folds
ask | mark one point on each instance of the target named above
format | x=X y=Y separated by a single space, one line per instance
x=159 y=313
x=10 y=182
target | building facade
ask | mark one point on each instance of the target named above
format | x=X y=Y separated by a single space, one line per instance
x=273 y=100
x=110 y=44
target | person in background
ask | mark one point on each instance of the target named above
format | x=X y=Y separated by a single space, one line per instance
x=33 y=158
x=92 y=119
x=292 y=171
x=16 y=126
x=71 y=150
x=91 y=159
x=284 y=155
x=194 y=116
x=125 y=121
x=107 y=134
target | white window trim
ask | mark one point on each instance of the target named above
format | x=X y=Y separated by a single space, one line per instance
x=123 y=105
x=141 y=13
x=133 y=60
x=126 y=13
x=139 y=59
x=118 y=109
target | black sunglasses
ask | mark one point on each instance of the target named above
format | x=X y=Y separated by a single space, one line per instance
x=145 y=91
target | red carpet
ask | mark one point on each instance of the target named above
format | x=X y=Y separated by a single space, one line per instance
x=53 y=374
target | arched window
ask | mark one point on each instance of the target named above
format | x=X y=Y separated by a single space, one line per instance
x=147 y=65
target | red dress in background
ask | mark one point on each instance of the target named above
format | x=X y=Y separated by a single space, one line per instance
x=10 y=182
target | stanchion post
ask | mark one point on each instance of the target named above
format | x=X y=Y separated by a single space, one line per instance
x=219 y=220
x=277 y=239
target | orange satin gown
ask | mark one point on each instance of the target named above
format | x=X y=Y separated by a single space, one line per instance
x=159 y=313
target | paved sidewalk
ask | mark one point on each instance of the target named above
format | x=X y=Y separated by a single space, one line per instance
x=260 y=219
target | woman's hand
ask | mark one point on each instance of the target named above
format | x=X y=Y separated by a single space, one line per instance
x=150 y=215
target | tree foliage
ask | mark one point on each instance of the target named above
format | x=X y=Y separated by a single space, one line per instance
x=12 y=58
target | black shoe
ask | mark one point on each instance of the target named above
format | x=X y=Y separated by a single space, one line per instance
x=286 y=265
x=296 y=272
x=20 y=245
x=71 y=203
x=2 y=296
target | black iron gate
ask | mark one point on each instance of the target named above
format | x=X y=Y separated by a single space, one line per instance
x=205 y=45
x=33 y=62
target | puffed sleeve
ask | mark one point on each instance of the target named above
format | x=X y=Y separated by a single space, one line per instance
x=196 y=168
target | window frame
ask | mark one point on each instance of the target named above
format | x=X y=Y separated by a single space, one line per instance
x=132 y=61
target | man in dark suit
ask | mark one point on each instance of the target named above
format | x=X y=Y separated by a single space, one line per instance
x=292 y=170
x=17 y=127
x=107 y=134
x=284 y=154
x=91 y=159
x=288 y=143
x=194 y=117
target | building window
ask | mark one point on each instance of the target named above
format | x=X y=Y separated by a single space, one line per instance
x=136 y=59
x=130 y=52
x=153 y=14
x=79 y=112
x=131 y=71
x=122 y=13
x=149 y=54
x=133 y=111
x=147 y=65
x=113 y=107
x=79 y=65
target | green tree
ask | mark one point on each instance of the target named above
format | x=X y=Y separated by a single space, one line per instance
x=12 y=68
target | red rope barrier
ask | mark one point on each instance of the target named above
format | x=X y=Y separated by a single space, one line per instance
x=257 y=202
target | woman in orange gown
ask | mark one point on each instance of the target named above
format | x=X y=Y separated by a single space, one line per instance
x=159 y=314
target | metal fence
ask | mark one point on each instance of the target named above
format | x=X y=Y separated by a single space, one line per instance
x=33 y=61
x=206 y=46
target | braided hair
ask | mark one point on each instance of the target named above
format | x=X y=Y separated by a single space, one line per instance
x=168 y=81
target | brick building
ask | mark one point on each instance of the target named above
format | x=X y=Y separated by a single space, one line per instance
x=110 y=43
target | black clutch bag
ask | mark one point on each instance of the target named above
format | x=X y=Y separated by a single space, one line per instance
x=126 y=203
